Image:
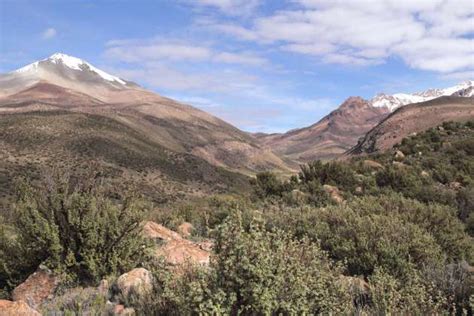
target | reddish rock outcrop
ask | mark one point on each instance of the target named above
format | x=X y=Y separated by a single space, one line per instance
x=20 y=308
x=138 y=281
x=37 y=288
x=334 y=193
x=176 y=250
x=185 y=229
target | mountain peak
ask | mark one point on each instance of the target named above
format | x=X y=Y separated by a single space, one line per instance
x=70 y=62
x=392 y=102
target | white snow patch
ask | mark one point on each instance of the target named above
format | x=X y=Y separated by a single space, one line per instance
x=72 y=63
x=397 y=100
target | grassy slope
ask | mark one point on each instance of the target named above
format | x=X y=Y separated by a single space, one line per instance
x=34 y=140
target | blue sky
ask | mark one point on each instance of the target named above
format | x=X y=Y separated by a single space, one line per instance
x=266 y=66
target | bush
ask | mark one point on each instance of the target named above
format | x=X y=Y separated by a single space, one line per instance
x=335 y=173
x=74 y=228
x=253 y=272
x=268 y=272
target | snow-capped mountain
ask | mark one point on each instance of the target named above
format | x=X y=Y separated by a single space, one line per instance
x=70 y=62
x=392 y=102
x=67 y=72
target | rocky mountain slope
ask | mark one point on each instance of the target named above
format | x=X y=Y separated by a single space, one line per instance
x=68 y=83
x=415 y=118
x=331 y=136
x=392 y=102
x=341 y=129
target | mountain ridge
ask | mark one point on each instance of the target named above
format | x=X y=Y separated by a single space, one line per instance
x=176 y=126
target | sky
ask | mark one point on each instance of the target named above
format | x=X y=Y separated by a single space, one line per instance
x=264 y=66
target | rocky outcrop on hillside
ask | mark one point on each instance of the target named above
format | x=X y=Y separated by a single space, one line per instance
x=37 y=288
x=20 y=308
x=173 y=247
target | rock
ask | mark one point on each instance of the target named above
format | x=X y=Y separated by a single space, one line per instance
x=297 y=195
x=138 y=281
x=359 y=190
x=19 y=308
x=372 y=164
x=424 y=174
x=206 y=245
x=157 y=231
x=334 y=193
x=37 y=288
x=119 y=309
x=177 y=252
x=185 y=229
x=455 y=185
x=399 y=155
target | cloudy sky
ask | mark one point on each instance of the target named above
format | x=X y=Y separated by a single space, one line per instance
x=262 y=65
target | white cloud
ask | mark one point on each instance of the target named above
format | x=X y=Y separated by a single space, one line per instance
x=48 y=33
x=136 y=51
x=162 y=76
x=243 y=59
x=131 y=52
x=434 y=35
x=229 y=7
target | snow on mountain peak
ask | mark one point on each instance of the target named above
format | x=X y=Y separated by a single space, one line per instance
x=72 y=63
x=392 y=102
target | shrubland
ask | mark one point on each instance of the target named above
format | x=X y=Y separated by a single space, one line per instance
x=399 y=241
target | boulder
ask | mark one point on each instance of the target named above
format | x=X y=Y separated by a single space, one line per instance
x=455 y=185
x=185 y=229
x=424 y=174
x=372 y=164
x=156 y=231
x=138 y=281
x=177 y=252
x=19 y=308
x=119 y=309
x=206 y=245
x=37 y=288
x=399 y=155
x=334 y=193
x=175 y=249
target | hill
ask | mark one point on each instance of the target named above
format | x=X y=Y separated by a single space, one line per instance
x=412 y=119
x=33 y=141
x=331 y=136
x=68 y=83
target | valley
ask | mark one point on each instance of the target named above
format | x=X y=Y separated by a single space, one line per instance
x=105 y=185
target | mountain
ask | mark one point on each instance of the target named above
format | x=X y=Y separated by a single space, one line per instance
x=64 y=112
x=414 y=118
x=341 y=129
x=63 y=82
x=331 y=136
x=392 y=102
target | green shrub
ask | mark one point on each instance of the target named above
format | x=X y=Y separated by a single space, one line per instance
x=335 y=173
x=74 y=228
x=267 y=272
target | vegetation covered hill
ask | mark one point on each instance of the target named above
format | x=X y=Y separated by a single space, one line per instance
x=31 y=141
x=389 y=233
x=414 y=118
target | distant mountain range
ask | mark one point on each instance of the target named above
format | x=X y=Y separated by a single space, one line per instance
x=341 y=129
x=65 y=107
x=394 y=101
